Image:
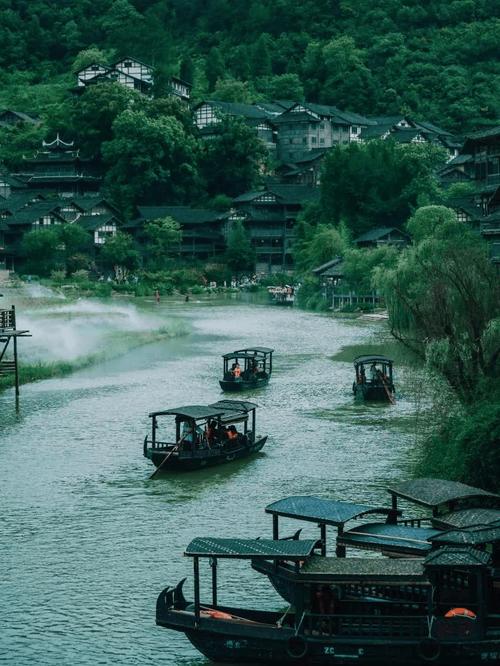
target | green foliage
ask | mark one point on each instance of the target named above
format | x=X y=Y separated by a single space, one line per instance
x=444 y=303
x=283 y=86
x=361 y=265
x=18 y=140
x=149 y=158
x=40 y=251
x=119 y=253
x=230 y=90
x=377 y=184
x=90 y=56
x=428 y=220
x=164 y=238
x=232 y=161
x=466 y=447
x=315 y=245
x=437 y=60
x=240 y=255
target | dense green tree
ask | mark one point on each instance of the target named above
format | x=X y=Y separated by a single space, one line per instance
x=214 y=68
x=378 y=184
x=76 y=247
x=361 y=264
x=164 y=236
x=316 y=244
x=40 y=251
x=283 y=86
x=120 y=255
x=187 y=69
x=428 y=220
x=240 y=254
x=230 y=90
x=444 y=303
x=149 y=158
x=91 y=56
x=233 y=160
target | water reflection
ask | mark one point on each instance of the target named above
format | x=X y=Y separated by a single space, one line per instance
x=89 y=542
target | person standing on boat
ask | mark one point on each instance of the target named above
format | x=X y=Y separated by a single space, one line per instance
x=373 y=372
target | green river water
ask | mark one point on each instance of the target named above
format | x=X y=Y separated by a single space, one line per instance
x=88 y=542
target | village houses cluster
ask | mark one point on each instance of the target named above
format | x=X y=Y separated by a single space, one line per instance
x=59 y=186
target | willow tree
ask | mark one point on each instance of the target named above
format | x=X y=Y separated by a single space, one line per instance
x=444 y=303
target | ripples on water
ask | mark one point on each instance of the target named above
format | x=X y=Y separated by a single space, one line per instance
x=88 y=542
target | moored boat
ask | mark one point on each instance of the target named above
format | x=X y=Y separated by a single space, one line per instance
x=373 y=378
x=246 y=369
x=203 y=436
x=443 y=608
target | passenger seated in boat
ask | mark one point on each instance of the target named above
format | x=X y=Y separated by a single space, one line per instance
x=232 y=433
x=236 y=370
x=211 y=433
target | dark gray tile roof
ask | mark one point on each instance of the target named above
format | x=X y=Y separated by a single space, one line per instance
x=320 y=270
x=432 y=492
x=469 y=517
x=457 y=557
x=470 y=536
x=373 y=568
x=317 y=509
x=378 y=233
x=293 y=549
x=289 y=194
x=93 y=222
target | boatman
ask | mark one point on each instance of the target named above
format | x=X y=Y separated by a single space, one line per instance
x=236 y=370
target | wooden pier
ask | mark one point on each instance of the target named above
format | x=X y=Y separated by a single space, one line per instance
x=9 y=335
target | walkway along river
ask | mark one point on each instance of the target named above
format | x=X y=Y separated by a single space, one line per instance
x=87 y=542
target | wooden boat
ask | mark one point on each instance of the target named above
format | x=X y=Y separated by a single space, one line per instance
x=202 y=436
x=443 y=608
x=254 y=371
x=373 y=378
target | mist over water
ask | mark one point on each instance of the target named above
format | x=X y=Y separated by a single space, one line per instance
x=71 y=330
x=87 y=542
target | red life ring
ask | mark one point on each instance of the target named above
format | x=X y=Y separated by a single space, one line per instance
x=461 y=612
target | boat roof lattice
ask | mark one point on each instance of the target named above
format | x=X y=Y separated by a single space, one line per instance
x=317 y=509
x=472 y=536
x=432 y=492
x=457 y=557
x=384 y=536
x=374 y=358
x=268 y=549
x=469 y=517
x=373 y=568
x=259 y=350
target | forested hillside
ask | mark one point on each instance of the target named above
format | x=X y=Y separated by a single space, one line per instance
x=436 y=59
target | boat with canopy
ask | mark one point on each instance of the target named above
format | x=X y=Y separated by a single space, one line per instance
x=201 y=436
x=246 y=369
x=373 y=378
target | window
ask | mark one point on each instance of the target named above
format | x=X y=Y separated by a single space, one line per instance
x=322 y=139
x=322 y=127
x=313 y=139
x=304 y=139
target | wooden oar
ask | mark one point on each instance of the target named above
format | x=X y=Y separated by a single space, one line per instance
x=176 y=448
x=389 y=395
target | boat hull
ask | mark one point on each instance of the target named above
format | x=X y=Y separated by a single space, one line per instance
x=373 y=393
x=256 y=637
x=232 y=385
x=200 y=459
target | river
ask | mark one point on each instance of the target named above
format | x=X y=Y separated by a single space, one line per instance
x=88 y=542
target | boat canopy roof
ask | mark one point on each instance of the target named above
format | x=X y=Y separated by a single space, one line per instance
x=267 y=549
x=384 y=536
x=375 y=358
x=224 y=408
x=234 y=405
x=457 y=557
x=471 y=536
x=356 y=568
x=433 y=492
x=194 y=412
x=250 y=352
x=468 y=517
x=319 y=510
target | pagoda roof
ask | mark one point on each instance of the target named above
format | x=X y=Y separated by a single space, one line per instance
x=289 y=194
x=378 y=233
x=58 y=143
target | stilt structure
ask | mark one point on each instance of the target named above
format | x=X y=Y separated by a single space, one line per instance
x=9 y=333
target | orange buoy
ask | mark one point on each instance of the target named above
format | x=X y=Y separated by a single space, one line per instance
x=461 y=612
